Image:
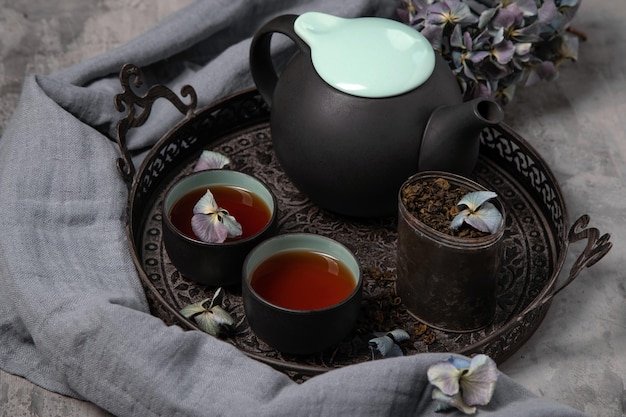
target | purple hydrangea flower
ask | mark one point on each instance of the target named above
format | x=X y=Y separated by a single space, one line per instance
x=494 y=45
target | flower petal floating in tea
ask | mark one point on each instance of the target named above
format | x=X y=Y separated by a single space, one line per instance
x=463 y=384
x=211 y=160
x=211 y=223
x=479 y=213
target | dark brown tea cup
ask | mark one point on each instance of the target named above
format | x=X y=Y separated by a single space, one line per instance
x=217 y=264
x=301 y=292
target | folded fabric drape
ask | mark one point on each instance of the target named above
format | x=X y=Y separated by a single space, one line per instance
x=73 y=315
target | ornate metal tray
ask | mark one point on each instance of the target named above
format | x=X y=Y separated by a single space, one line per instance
x=537 y=235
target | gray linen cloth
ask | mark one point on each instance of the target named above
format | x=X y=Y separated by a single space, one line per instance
x=73 y=316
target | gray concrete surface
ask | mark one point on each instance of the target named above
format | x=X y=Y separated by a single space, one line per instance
x=577 y=123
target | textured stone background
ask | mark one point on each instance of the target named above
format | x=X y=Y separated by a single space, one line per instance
x=43 y=36
x=577 y=123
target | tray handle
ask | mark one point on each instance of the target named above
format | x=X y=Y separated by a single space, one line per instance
x=597 y=247
x=130 y=102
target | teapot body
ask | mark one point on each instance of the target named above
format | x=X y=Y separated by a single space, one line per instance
x=362 y=105
x=350 y=154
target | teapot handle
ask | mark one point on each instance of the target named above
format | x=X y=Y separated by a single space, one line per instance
x=261 y=65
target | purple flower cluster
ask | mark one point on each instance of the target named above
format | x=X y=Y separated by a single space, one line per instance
x=494 y=45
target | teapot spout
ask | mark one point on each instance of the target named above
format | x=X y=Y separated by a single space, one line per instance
x=451 y=140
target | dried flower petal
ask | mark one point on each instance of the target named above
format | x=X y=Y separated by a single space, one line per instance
x=569 y=47
x=503 y=52
x=464 y=384
x=211 y=160
x=490 y=216
x=455 y=401
x=523 y=48
x=542 y=71
x=548 y=12
x=206 y=204
x=487 y=219
x=207 y=324
x=486 y=17
x=211 y=223
x=399 y=335
x=194 y=309
x=479 y=382
x=209 y=228
x=445 y=376
x=385 y=346
x=214 y=319
x=459 y=219
x=218 y=297
x=480 y=214
x=526 y=40
x=528 y=7
x=386 y=343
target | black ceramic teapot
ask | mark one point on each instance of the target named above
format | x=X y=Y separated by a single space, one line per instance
x=362 y=105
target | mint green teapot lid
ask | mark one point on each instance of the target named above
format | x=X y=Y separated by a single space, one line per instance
x=366 y=57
